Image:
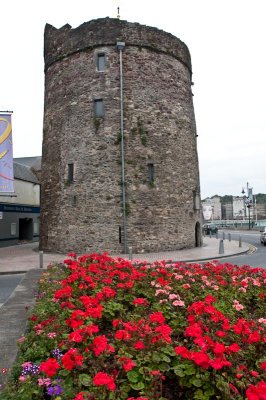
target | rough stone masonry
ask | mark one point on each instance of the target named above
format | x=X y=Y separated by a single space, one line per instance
x=86 y=202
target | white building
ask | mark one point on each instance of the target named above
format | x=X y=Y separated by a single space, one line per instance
x=212 y=208
x=20 y=211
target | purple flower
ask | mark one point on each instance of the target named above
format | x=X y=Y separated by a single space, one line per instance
x=30 y=369
x=54 y=390
x=57 y=354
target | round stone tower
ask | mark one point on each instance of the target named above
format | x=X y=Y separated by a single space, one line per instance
x=119 y=163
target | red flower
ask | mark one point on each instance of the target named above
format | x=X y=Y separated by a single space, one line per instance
x=127 y=363
x=76 y=336
x=234 y=348
x=101 y=378
x=200 y=358
x=263 y=365
x=72 y=359
x=193 y=330
x=233 y=388
x=64 y=292
x=122 y=334
x=254 y=337
x=99 y=345
x=219 y=348
x=139 y=345
x=182 y=351
x=257 y=392
x=79 y=396
x=157 y=317
x=139 y=301
x=49 y=367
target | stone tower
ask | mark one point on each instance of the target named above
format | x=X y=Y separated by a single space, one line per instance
x=119 y=163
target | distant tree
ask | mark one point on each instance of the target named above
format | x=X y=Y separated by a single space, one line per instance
x=261 y=198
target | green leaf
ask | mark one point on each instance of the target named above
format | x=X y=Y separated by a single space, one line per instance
x=168 y=350
x=85 y=379
x=165 y=358
x=179 y=372
x=196 y=382
x=137 y=386
x=133 y=376
x=156 y=357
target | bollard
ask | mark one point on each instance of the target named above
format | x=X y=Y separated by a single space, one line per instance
x=223 y=236
x=217 y=235
x=221 y=247
x=229 y=237
x=130 y=253
x=41 y=259
x=210 y=235
x=240 y=241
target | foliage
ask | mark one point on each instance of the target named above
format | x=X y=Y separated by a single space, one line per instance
x=103 y=328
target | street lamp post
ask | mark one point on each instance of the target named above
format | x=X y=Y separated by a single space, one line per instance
x=247 y=201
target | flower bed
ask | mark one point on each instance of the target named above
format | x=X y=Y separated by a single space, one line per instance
x=103 y=328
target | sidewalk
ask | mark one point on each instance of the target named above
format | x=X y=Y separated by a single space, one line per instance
x=26 y=258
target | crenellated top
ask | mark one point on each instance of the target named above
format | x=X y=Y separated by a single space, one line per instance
x=63 y=42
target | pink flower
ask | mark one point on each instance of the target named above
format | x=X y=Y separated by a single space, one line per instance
x=186 y=286
x=237 y=305
x=178 y=303
x=173 y=296
x=51 y=335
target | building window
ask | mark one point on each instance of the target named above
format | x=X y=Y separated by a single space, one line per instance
x=70 y=172
x=98 y=108
x=101 y=62
x=36 y=228
x=13 y=228
x=120 y=234
x=151 y=173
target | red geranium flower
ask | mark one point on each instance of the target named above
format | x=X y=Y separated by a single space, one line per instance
x=49 y=367
x=101 y=378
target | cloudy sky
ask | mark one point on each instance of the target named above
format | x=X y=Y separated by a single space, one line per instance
x=226 y=39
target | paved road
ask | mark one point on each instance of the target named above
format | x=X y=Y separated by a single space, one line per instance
x=256 y=258
x=8 y=283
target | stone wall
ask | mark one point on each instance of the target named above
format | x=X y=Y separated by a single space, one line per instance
x=159 y=133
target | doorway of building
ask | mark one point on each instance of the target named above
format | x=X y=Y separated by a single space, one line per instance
x=197 y=235
x=25 y=229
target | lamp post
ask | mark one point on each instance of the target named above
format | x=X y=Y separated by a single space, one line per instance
x=247 y=201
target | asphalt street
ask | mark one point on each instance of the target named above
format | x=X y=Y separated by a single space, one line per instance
x=8 y=283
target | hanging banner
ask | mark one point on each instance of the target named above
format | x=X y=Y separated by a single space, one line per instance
x=6 y=155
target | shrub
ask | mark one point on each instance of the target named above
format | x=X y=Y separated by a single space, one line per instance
x=103 y=328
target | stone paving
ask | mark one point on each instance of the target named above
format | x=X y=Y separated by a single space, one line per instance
x=26 y=257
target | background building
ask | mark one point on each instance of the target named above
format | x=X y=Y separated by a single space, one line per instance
x=20 y=211
x=214 y=207
x=120 y=164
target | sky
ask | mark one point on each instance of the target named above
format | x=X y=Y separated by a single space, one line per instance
x=226 y=39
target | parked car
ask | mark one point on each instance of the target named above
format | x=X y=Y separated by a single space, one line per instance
x=209 y=228
x=263 y=236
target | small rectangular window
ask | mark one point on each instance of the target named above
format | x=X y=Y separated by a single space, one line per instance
x=101 y=63
x=70 y=172
x=120 y=234
x=98 y=108
x=13 y=228
x=35 y=228
x=151 y=173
